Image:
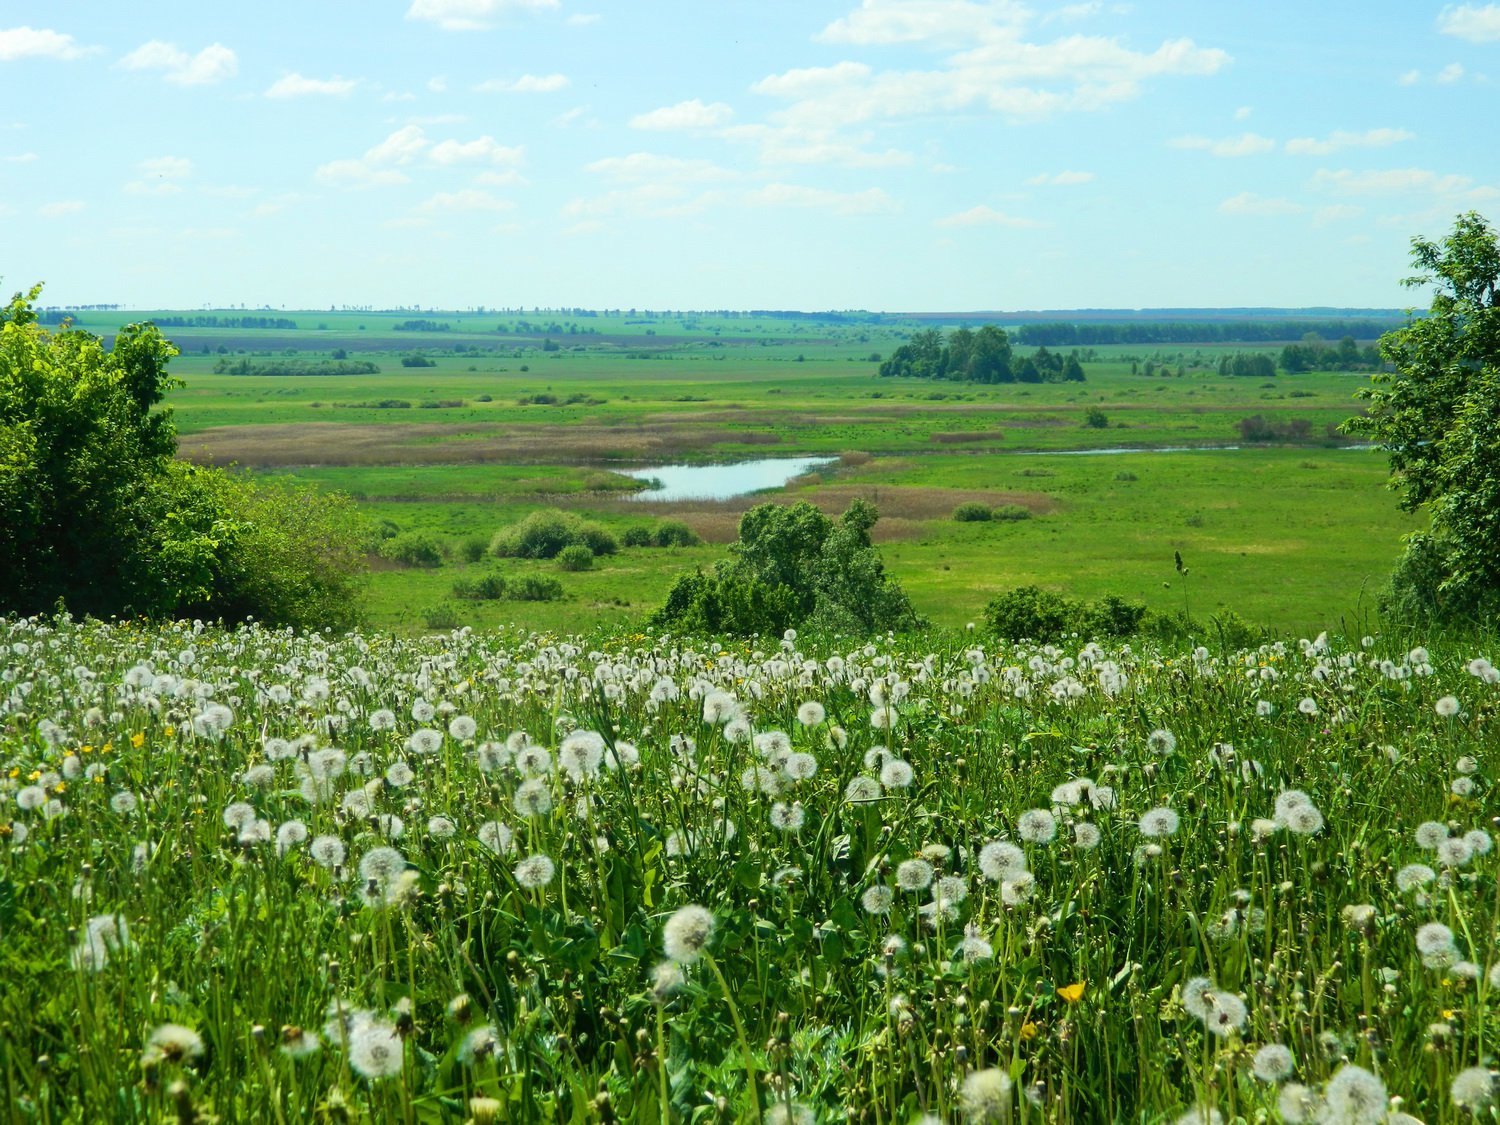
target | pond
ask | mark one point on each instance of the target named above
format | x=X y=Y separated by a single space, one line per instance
x=721 y=482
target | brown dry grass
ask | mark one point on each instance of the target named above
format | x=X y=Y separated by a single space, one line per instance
x=960 y=437
x=415 y=443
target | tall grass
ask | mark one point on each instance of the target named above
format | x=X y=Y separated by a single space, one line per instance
x=261 y=876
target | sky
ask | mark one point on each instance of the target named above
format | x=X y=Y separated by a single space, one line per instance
x=892 y=155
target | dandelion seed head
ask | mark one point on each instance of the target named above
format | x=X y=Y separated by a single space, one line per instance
x=1472 y=1089
x=1036 y=826
x=375 y=1050
x=535 y=871
x=877 y=899
x=687 y=933
x=914 y=874
x=985 y=1097
x=1158 y=822
x=1272 y=1063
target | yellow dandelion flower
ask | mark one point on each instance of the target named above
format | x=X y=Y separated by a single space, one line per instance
x=1028 y=1030
x=1072 y=993
x=138 y=739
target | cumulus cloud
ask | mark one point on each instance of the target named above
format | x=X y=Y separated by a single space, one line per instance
x=1410 y=78
x=374 y=168
x=526 y=84
x=871 y=201
x=466 y=199
x=930 y=22
x=471 y=15
x=1403 y=181
x=1339 y=138
x=480 y=150
x=692 y=114
x=167 y=167
x=1247 y=144
x=1450 y=74
x=985 y=216
x=214 y=63
x=800 y=144
x=39 y=43
x=1248 y=203
x=294 y=85
x=647 y=167
x=1060 y=179
x=583 y=19
x=1472 y=22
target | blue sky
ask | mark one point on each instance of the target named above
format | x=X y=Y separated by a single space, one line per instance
x=879 y=154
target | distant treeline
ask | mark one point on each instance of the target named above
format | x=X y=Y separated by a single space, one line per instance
x=423 y=326
x=981 y=356
x=1062 y=334
x=277 y=322
x=296 y=367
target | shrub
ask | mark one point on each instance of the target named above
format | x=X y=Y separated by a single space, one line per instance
x=1112 y=616
x=442 y=616
x=675 y=533
x=1011 y=512
x=972 y=512
x=1126 y=476
x=597 y=538
x=415 y=548
x=1096 y=419
x=488 y=588
x=575 y=557
x=1031 y=613
x=473 y=548
x=637 y=535
x=534 y=588
x=543 y=534
x=417 y=361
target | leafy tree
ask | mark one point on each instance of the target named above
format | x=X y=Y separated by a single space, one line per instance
x=793 y=566
x=1438 y=418
x=100 y=519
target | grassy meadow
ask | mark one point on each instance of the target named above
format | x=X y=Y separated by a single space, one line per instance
x=251 y=876
x=1293 y=534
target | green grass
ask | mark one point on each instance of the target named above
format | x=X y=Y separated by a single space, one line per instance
x=1205 y=854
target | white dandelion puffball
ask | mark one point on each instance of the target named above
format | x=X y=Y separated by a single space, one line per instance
x=986 y=1097
x=375 y=1050
x=914 y=874
x=1161 y=741
x=896 y=774
x=1447 y=706
x=1000 y=860
x=1431 y=833
x=877 y=900
x=1353 y=1096
x=1434 y=937
x=1036 y=826
x=1158 y=822
x=1472 y=1089
x=687 y=934
x=811 y=713
x=535 y=871
x=1272 y=1063
x=1414 y=876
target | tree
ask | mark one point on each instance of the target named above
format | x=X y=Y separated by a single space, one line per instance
x=1437 y=415
x=99 y=518
x=793 y=566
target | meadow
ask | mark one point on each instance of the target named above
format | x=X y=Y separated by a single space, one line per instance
x=251 y=876
x=1293 y=533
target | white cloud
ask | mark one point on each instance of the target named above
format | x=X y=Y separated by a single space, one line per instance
x=583 y=19
x=480 y=150
x=357 y=173
x=797 y=144
x=156 y=188
x=21 y=158
x=296 y=86
x=871 y=201
x=1410 y=78
x=526 y=84
x=508 y=178
x=1247 y=144
x=60 y=208
x=1472 y=22
x=438 y=84
x=986 y=216
x=466 y=199
x=1060 y=179
x=812 y=80
x=684 y=115
x=1248 y=203
x=930 y=22
x=1083 y=11
x=1403 y=181
x=214 y=63
x=1339 y=138
x=646 y=167
x=652 y=199
x=1337 y=213
x=1450 y=74
x=39 y=43
x=1243 y=113
x=167 y=167
x=401 y=147
x=470 y=15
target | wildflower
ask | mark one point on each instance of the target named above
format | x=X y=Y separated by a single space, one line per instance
x=289 y=835
x=1359 y=916
x=811 y=713
x=1434 y=937
x=1036 y=826
x=861 y=790
x=1201 y=1115
x=495 y=836
x=1071 y=993
x=532 y=798
x=533 y=760
x=1462 y=786
x=877 y=899
x=581 y=753
x=1264 y=708
x=424 y=741
x=986 y=1097
x=1161 y=741
x=441 y=828
x=422 y=711
x=123 y=802
x=974 y=947
x=1018 y=888
x=1272 y=1063
x=1353 y=1096
x=381 y=865
x=238 y=815
x=1298 y=1104
x=1304 y=820
x=1158 y=822
x=1197 y=996
x=1472 y=1089
x=259 y=776
x=896 y=774
x=297 y=1043
x=788 y=818
x=1308 y=706
x=1479 y=841
x=1086 y=836
x=1226 y=1013
x=1447 y=707
x=913 y=874
x=327 y=851
x=462 y=728
x=1000 y=860
x=375 y=1050
x=687 y=934
x=382 y=720
x=1455 y=851
x=1413 y=876
x=174 y=1043
x=789 y=1113
x=800 y=766
x=1431 y=833
x=535 y=871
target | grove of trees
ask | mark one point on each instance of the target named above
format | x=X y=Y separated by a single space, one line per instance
x=100 y=518
x=977 y=356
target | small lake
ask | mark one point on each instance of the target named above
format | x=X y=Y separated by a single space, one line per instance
x=721 y=482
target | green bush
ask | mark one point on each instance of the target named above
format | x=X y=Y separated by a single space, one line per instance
x=1031 y=613
x=544 y=533
x=415 y=548
x=1095 y=419
x=675 y=533
x=972 y=512
x=1011 y=512
x=473 y=548
x=488 y=588
x=442 y=616
x=575 y=557
x=534 y=588
x=1111 y=616
x=637 y=535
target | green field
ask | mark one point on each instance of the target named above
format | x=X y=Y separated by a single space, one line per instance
x=1290 y=534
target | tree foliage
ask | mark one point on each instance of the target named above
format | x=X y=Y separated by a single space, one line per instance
x=100 y=518
x=982 y=356
x=1437 y=415
x=793 y=566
